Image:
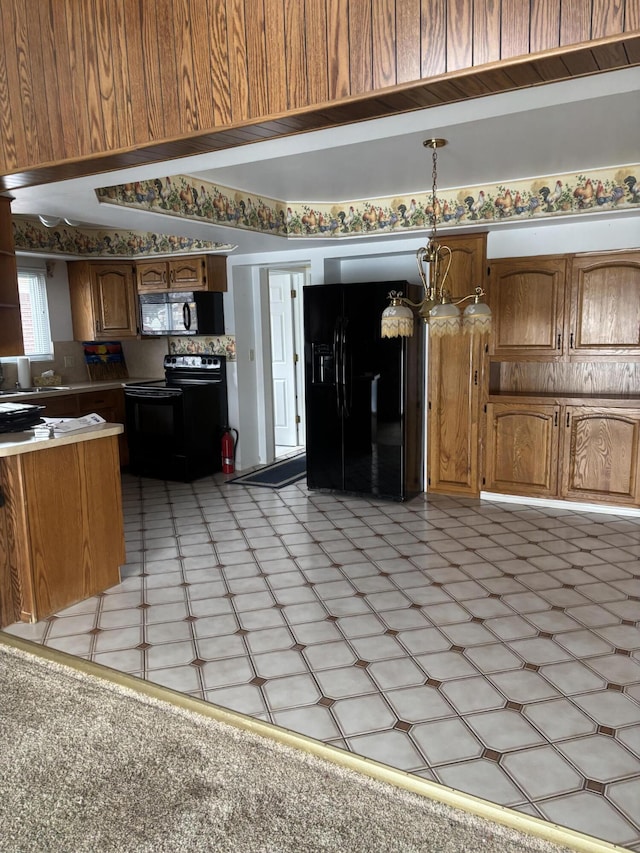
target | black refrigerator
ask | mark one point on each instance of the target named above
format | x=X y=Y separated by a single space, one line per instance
x=363 y=393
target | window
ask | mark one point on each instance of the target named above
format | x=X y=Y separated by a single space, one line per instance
x=36 y=332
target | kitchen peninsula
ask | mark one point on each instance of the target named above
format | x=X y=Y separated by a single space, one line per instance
x=61 y=525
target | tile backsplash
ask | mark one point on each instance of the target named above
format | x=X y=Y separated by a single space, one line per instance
x=143 y=357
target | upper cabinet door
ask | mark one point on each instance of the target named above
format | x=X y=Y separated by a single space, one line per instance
x=187 y=274
x=113 y=300
x=527 y=297
x=605 y=306
x=151 y=275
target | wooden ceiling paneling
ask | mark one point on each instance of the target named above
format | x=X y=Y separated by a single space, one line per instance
x=89 y=85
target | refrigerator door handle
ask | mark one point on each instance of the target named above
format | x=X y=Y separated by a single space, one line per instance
x=337 y=336
x=343 y=371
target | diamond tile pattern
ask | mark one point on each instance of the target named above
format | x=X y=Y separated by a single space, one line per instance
x=492 y=647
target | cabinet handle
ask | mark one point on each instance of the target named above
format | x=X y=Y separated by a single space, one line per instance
x=568 y=419
x=555 y=418
x=164 y=277
x=559 y=341
x=172 y=276
x=571 y=341
x=475 y=377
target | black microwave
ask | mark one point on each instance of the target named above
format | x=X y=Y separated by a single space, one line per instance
x=181 y=313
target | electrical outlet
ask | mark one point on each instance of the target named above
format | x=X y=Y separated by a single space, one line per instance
x=69 y=361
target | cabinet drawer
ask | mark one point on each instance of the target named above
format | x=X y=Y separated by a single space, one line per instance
x=61 y=407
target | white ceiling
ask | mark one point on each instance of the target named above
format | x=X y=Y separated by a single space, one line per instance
x=576 y=125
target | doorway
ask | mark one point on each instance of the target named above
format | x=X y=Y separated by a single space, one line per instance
x=285 y=301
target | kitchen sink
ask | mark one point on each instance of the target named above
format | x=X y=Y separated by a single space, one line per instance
x=35 y=390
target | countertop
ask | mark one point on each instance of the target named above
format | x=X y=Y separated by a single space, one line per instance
x=7 y=396
x=16 y=443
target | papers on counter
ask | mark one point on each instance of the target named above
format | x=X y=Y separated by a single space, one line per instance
x=61 y=426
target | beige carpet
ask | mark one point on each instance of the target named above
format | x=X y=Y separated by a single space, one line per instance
x=86 y=764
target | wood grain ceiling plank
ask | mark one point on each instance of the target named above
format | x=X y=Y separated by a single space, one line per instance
x=107 y=56
x=607 y=18
x=275 y=55
x=575 y=21
x=122 y=74
x=383 y=43
x=237 y=40
x=338 y=47
x=486 y=31
x=52 y=110
x=544 y=25
x=433 y=36
x=218 y=49
x=186 y=40
x=163 y=68
x=22 y=98
x=203 y=59
x=152 y=67
x=407 y=41
x=360 y=47
x=460 y=34
x=257 y=68
x=295 y=54
x=317 y=59
x=514 y=28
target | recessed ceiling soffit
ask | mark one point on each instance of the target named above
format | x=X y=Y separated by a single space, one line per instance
x=608 y=190
x=30 y=235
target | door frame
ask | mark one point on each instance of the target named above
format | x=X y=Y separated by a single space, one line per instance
x=304 y=270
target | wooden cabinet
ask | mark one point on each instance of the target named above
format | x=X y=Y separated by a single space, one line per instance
x=588 y=453
x=577 y=307
x=191 y=272
x=601 y=454
x=456 y=371
x=527 y=297
x=108 y=403
x=11 y=342
x=522 y=449
x=103 y=303
x=605 y=306
x=62 y=517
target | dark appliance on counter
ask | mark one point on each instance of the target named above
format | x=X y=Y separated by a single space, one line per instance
x=181 y=313
x=17 y=417
x=175 y=424
x=364 y=393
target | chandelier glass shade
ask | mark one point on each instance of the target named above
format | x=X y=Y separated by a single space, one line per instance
x=438 y=307
x=397 y=318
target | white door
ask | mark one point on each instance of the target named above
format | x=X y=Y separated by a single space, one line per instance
x=283 y=359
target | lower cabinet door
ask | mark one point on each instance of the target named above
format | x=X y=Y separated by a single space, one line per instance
x=522 y=449
x=600 y=454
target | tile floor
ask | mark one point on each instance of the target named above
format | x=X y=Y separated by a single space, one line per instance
x=491 y=647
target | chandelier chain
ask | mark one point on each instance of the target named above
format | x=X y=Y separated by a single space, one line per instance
x=434 y=199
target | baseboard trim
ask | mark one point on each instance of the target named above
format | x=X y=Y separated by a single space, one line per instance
x=607 y=509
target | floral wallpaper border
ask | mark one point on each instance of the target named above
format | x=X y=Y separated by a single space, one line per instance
x=186 y=197
x=204 y=345
x=30 y=235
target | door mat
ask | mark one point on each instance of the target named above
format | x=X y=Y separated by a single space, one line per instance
x=276 y=476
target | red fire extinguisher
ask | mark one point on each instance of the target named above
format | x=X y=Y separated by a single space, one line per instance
x=229 y=450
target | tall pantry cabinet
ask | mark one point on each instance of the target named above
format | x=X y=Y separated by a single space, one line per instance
x=456 y=379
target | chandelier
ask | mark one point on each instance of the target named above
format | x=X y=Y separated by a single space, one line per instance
x=438 y=307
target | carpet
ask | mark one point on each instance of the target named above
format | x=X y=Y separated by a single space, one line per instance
x=90 y=763
x=275 y=476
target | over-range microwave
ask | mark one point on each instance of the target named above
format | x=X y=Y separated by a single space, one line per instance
x=181 y=313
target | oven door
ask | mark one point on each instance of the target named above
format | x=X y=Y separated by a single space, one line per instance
x=155 y=425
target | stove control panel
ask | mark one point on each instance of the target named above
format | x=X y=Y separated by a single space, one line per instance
x=192 y=362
